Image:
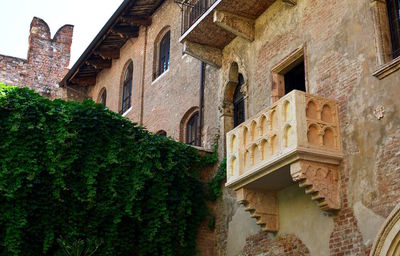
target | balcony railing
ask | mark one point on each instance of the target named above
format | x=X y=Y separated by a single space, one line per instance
x=192 y=10
x=299 y=123
x=296 y=140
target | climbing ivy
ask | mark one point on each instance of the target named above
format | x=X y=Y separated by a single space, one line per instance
x=214 y=186
x=81 y=172
x=211 y=159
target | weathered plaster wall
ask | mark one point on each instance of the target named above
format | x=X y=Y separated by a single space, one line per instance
x=237 y=234
x=370 y=222
x=300 y=216
x=47 y=62
x=341 y=57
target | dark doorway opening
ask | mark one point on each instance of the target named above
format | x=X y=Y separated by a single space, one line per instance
x=295 y=79
x=238 y=103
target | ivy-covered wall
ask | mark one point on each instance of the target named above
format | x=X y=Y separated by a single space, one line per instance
x=79 y=171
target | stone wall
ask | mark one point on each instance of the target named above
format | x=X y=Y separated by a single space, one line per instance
x=341 y=57
x=47 y=62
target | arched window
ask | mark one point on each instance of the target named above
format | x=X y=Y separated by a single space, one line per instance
x=127 y=89
x=393 y=7
x=192 y=130
x=162 y=133
x=238 y=103
x=103 y=97
x=163 y=61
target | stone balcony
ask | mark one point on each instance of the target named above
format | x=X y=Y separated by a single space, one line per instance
x=296 y=140
x=210 y=25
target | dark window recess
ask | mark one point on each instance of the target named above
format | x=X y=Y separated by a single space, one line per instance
x=127 y=89
x=295 y=79
x=164 y=53
x=192 y=130
x=103 y=97
x=238 y=103
x=393 y=7
x=162 y=133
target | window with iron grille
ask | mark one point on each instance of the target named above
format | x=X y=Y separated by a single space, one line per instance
x=198 y=9
x=127 y=89
x=393 y=7
x=238 y=103
x=192 y=130
x=164 y=53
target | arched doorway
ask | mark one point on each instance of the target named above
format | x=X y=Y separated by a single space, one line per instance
x=234 y=101
x=388 y=241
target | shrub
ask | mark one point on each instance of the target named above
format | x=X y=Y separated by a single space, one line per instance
x=80 y=171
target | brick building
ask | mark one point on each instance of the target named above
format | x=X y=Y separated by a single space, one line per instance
x=47 y=62
x=303 y=94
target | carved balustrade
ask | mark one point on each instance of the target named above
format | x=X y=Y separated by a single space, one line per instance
x=297 y=139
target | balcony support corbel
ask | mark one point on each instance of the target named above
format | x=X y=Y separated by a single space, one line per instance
x=290 y=2
x=238 y=25
x=207 y=54
x=262 y=205
x=320 y=180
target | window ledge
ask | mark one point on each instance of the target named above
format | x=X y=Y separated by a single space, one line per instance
x=160 y=76
x=126 y=112
x=387 y=68
x=204 y=150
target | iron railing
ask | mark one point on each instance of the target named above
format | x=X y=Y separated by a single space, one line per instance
x=192 y=10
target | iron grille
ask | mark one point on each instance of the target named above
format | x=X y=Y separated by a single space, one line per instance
x=192 y=10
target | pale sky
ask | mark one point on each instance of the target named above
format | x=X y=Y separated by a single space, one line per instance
x=88 y=17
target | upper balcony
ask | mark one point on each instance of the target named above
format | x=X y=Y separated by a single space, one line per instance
x=213 y=24
x=295 y=140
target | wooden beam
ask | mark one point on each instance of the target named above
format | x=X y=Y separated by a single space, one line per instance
x=290 y=2
x=108 y=54
x=85 y=81
x=99 y=63
x=144 y=21
x=125 y=32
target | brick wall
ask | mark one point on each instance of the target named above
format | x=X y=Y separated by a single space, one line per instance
x=266 y=244
x=170 y=96
x=46 y=64
x=341 y=57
